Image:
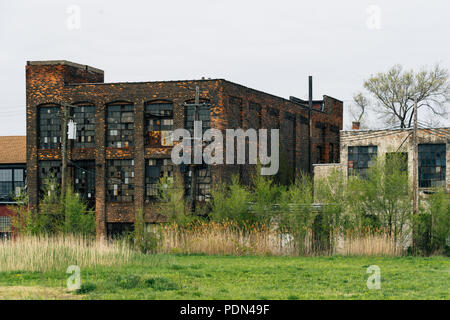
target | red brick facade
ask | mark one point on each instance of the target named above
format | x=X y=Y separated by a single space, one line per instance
x=232 y=106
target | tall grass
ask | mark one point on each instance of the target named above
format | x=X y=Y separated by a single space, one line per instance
x=229 y=238
x=56 y=253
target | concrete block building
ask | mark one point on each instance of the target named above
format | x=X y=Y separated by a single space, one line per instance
x=123 y=143
x=359 y=147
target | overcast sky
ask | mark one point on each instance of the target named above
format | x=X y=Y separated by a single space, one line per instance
x=268 y=45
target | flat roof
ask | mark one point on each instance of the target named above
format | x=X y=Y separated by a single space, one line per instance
x=66 y=63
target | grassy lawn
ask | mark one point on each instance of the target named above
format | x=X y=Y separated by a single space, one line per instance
x=228 y=277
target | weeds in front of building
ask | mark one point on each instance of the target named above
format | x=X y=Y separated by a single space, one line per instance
x=369 y=215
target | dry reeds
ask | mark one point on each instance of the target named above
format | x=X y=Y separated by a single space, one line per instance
x=47 y=253
x=228 y=238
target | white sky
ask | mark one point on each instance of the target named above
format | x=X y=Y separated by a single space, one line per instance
x=268 y=45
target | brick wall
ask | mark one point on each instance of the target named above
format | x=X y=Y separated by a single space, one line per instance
x=65 y=82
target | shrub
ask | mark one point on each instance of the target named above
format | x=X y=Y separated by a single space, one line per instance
x=145 y=241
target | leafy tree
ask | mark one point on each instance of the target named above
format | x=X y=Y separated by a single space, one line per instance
x=395 y=90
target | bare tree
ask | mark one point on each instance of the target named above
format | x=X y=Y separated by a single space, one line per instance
x=359 y=107
x=396 y=89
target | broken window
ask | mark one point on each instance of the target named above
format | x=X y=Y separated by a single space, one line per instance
x=203 y=192
x=120 y=180
x=49 y=127
x=49 y=175
x=159 y=124
x=5 y=227
x=84 y=117
x=120 y=124
x=203 y=115
x=84 y=180
x=432 y=161
x=154 y=170
x=12 y=180
x=360 y=158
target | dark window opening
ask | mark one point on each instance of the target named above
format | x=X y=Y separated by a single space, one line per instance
x=84 y=180
x=119 y=229
x=155 y=169
x=360 y=159
x=203 y=115
x=49 y=175
x=159 y=125
x=203 y=190
x=12 y=180
x=84 y=117
x=120 y=126
x=432 y=162
x=203 y=184
x=49 y=127
x=120 y=180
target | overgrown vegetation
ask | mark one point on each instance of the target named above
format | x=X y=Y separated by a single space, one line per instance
x=57 y=213
x=352 y=209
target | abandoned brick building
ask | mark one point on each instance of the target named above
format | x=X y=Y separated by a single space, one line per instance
x=123 y=143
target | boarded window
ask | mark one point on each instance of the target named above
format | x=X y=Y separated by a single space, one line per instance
x=84 y=117
x=120 y=126
x=432 y=161
x=360 y=158
x=154 y=170
x=159 y=124
x=120 y=180
x=49 y=127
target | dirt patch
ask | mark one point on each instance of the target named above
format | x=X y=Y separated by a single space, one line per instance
x=35 y=293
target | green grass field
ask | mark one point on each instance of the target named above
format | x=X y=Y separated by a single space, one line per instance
x=227 y=277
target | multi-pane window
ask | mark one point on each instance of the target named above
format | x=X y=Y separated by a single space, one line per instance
x=203 y=191
x=204 y=115
x=154 y=170
x=49 y=127
x=49 y=173
x=159 y=124
x=84 y=179
x=12 y=180
x=360 y=159
x=5 y=226
x=84 y=117
x=120 y=124
x=431 y=165
x=120 y=180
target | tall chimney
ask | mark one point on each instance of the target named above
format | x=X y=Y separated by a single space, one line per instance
x=356 y=125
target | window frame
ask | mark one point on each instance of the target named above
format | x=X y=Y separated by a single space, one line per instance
x=53 y=121
x=88 y=119
x=126 y=183
x=360 y=170
x=422 y=169
x=13 y=182
x=121 y=128
x=164 y=111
